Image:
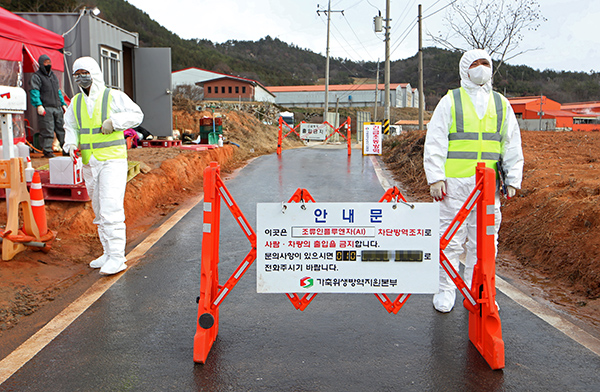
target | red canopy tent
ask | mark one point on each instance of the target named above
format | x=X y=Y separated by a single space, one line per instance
x=21 y=44
x=19 y=36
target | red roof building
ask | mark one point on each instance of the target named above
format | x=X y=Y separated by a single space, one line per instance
x=541 y=113
x=234 y=88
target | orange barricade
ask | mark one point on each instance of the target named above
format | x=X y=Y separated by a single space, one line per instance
x=211 y=293
x=484 y=321
x=301 y=196
x=280 y=135
x=485 y=328
x=346 y=124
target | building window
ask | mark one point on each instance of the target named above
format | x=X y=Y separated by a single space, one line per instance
x=237 y=89
x=243 y=89
x=110 y=61
x=209 y=89
x=229 y=89
x=222 y=89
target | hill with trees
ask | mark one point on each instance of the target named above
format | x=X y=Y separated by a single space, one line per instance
x=273 y=62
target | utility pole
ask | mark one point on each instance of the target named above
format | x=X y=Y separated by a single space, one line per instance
x=328 y=13
x=387 y=60
x=541 y=113
x=376 y=93
x=421 y=98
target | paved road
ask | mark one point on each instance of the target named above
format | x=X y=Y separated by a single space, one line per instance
x=139 y=335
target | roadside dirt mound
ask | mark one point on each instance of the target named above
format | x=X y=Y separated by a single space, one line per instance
x=552 y=226
x=31 y=279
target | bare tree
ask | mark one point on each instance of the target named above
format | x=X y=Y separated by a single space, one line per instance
x=494 y=25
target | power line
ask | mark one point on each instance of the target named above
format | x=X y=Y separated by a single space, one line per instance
x=359 y=41
x=435 y=12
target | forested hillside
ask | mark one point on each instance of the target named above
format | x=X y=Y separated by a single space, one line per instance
x=274 y=62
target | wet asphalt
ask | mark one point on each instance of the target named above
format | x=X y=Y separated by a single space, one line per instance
x=139 y=335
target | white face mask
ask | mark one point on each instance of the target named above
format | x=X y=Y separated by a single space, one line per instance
x=480 y=75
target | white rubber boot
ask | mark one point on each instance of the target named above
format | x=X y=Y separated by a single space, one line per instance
x=112 y=266
x=99 y=262
x=443 y=301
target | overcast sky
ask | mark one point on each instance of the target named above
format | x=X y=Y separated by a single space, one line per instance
x=567 y=41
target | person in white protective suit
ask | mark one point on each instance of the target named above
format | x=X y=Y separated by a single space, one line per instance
x=470 y=124
x=94 y=122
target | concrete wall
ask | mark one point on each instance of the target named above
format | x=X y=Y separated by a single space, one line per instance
x=262 y=95
x=534 y=125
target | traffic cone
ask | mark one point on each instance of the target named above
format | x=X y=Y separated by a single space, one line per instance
x=38 y=206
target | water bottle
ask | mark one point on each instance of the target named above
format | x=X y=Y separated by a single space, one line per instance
x=23 y=150
x=29 y=170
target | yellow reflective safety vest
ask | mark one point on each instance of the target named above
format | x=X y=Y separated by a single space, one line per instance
x=91 y=139
x=471 y=139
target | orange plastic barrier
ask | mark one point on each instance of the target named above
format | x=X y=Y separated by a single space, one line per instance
x=392 y=195
x=211 y=293
x=347 y=136
x=280 y=135
x=485 y=330
x=301 y=196
x=484 y=321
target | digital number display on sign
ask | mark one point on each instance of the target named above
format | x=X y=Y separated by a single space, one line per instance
x=347 y=248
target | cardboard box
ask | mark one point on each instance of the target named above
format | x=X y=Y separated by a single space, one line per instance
x=63 y=171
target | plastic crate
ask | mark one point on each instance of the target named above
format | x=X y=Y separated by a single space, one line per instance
x=133 y=169
x=58 y=192
x=161 y=143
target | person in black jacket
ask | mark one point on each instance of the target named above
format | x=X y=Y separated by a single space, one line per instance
x=47 y=97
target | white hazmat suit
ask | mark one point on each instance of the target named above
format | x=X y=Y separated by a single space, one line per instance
x=454 y=191
x=105 y=179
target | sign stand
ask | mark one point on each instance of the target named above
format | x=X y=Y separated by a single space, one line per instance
x=484 y=321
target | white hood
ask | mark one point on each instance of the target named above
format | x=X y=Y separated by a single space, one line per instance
x=479 y=94
x=466 y=61
x=90 y=65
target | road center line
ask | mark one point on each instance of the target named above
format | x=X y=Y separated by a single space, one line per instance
x=19 y=357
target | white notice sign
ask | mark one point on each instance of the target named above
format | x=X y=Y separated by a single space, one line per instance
x=372 y=139
x=347 y=248
x=314 y=131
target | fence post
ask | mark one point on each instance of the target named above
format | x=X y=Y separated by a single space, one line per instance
x=279 y=136
x=349 y=135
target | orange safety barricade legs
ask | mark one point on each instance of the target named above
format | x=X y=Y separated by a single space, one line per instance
x=391 y=195
x=300 y=196
x=207 y=326
x=211 y=293
x=485 y=329
x=484 y=321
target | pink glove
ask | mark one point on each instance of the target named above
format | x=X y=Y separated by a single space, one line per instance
x=41 y=111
